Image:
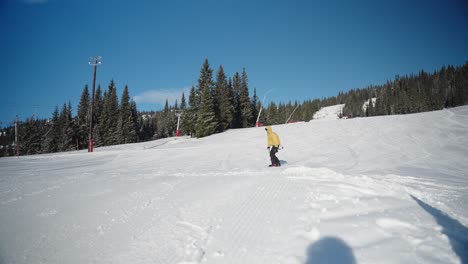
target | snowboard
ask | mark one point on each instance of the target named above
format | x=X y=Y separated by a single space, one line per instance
x=282 y=163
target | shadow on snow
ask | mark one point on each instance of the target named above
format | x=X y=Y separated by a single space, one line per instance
x=330 y=250
x=454 y=230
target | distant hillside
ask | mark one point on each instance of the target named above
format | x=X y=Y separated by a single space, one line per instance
x=330 y=112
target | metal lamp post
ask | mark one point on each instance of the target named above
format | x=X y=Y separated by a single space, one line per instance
x=94 y=62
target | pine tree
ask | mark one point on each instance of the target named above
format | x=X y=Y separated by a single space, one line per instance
x=83 y=118
x=166 y=107
x=282 y=113
x=190 y=114
x=255 y=107
x=459 y=84
x=66 y=128
x=183 y=103
x=206 y=122
x=272 y=114
x=52 y=136
x=31 y=136
x=109 y=116
x=183 y=108
x=165 y=122
x=206 y=119
x=134 y=110
x=378 y=108
x=231 y=101
x=236 y=88
x=226 y=108
x=463 y=82
x=126 y=125
x=244 y=101
x=97 y=113
x=217 y=92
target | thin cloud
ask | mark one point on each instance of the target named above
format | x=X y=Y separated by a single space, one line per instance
x=160 y=96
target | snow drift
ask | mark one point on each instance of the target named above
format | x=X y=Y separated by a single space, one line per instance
x=388 y=189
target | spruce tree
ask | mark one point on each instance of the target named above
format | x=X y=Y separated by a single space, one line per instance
x=245 y=103
x=52 y=136
x=165 y=122
x=183 y=103
x=97 y=113
x=206 y=119
x=217 y=97
x=190 y=114
x=282 y=113
x=66 y=128
x=226 y=108
x=31 y=136
x=378 y=109
x=83 y=118
x=236 y=88
x=255 y=107
x=134 y=110
x=183 y=109
x=231 y=101
x=166 y=107
x=110 y=116
x=126 y=126
x=272 y=114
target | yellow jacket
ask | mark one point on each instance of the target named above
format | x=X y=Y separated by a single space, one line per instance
x=272 y=137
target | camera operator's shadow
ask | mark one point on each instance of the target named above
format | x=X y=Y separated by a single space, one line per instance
x=454 y=230
x=330 y=250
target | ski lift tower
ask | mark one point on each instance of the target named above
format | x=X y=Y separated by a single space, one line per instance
x=16 y=136
x=94 y=62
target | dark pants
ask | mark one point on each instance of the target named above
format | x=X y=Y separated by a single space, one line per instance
x=274 y=159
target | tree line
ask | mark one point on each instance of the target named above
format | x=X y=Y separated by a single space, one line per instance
x=113 y=123
x=218 y=103
x=214 y=105
x=447 y=87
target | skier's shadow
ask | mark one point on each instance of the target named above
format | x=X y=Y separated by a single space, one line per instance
x=456 y=232
x=330 y=250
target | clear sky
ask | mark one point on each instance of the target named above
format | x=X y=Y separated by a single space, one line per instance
x=299 y=49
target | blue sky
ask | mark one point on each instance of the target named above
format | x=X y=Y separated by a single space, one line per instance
x=299 y=49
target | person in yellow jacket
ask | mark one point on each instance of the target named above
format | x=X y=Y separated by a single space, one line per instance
x=273 y=143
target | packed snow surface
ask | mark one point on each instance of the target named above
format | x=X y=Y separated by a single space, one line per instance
x=388 y=189
x=329 y=112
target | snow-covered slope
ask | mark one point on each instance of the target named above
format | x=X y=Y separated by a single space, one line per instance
x=366 y=103
x=366 y=190
x=329 y=112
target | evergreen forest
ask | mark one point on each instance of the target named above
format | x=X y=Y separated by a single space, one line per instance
x=217 y=103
